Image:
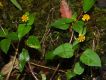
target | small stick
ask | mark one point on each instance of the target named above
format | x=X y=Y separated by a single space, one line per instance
x=32 y=71
x=7 y=78
x=45 y=67
x=71 y=37
x=2 y=29
x=55 y=72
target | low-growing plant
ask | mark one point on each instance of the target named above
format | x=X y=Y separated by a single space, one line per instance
x=9 y=38
x=77 y=28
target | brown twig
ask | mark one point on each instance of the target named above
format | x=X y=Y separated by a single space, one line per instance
x=45 y=67
x=47 y=30
x=72 y=34
x=32 y=72
x=14 y=59
x=93 y=45
x=55 y=72
x=80 y=16
x=46 y=26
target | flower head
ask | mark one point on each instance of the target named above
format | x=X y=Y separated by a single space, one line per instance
x=85 y=17
x=24 y=18
x=81 y=38
x=1 y=5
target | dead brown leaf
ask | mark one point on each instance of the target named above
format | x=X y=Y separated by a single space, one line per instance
x=6 y=69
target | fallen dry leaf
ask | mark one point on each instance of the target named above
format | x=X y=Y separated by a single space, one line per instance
x=6 y=69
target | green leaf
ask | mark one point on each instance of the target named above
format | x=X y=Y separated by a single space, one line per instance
x=27 y=13
x=62 y=23
x=23 y=30
x=3 y=32
x=84 y=31
x=64 y=50
x=23 y=58
x=16 y=4
x=78 y=69
x=31 y=18
x=75 y=44
x=12 y=36
x=87 y=5
x=4 y=45
x=1 y=76
x=74 y=16
x=90 y=58
x=78 y=26
x=33 y=42
x=49 y=55
x=70 y=74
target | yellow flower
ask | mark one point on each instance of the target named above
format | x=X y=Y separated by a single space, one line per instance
x=24 y=18
x=1 y=5
x=81 y=38
x=86 y=17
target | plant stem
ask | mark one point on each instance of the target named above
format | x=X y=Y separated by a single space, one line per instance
x=2 y=29
x=14 y=59
x=32 y=71
x=45 y=67
x=55 y=71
